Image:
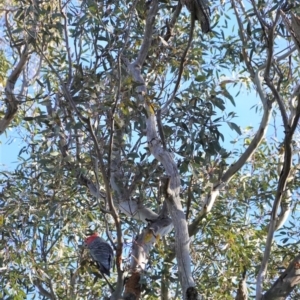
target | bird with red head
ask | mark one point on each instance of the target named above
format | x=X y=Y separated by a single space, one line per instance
x=101 y=252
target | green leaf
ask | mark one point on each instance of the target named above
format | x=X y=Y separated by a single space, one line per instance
x=227 y=95
x=234 y=127
x=54 y=153
x=200 y=78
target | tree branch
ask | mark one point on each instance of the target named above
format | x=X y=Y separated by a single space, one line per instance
x=243 y=39
x=147 y=35
x=11 y=100
x=286 y=282
x=281 y=187
x=242 y=292
x=234 y=168
x=41 y=289
x=165 y=157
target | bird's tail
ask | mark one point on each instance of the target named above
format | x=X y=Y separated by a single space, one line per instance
x=202 y=14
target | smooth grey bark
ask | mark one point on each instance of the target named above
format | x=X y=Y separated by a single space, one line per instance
x=166 y=159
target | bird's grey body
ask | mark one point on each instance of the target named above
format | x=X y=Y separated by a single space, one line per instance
x=101 y=252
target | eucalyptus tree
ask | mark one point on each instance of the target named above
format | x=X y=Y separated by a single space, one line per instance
x=120 y=109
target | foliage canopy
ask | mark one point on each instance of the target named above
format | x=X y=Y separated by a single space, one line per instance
x=109 y=145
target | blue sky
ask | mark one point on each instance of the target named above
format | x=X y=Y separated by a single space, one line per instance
x=10 y=146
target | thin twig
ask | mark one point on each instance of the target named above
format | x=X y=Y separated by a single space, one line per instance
x=65 y=28
x=164 y=109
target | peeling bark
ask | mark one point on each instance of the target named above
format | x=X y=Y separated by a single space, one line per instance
x=133 y=287
x=242 y=292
